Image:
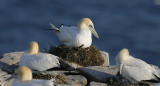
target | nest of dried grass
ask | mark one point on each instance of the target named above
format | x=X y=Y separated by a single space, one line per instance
x=59 y=79
x=82 y=56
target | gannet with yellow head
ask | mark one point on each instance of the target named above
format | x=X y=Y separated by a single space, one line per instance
x=36 y=60
x=134 y=69
x=76 y=35
x=23 y=77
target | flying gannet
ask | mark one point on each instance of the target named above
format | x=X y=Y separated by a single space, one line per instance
x=36 y=60
x=134 y=69
x=23 y=77
x=77 y=35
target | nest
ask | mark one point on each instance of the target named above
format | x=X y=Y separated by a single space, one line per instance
x=116 y=82
x=82 y=56
x=119 y=83
x=59 y=79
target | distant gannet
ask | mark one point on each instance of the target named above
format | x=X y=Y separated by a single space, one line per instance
x=76 y=36
x=36 y=60
x=134 y=69
x=23 y=77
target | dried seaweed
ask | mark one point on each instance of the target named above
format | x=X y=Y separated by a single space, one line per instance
x=83 y=56
x=115 y=82
x=59 y=79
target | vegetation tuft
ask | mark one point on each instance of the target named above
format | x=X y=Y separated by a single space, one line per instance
x=82 y=56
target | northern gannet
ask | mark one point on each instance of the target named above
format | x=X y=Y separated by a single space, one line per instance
x=36 y=60
x=23 y=77
x=134 y=69
x=76 y=35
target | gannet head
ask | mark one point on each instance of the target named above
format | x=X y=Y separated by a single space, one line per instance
x=86 y=23
x=121 y=57
x=33 y=48
x=24 y=73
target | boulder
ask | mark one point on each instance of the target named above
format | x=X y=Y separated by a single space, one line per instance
x=3 y=77
x=11 y=58
x=9 y=61
x=105 y=56
x=98 y=73
x=76 y=80
x=92 y=83
x=70 y=78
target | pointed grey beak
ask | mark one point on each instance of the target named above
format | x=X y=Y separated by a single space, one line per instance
x=120 y=69
x=94 y=32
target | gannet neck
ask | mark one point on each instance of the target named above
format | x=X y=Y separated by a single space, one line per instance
x=33 y=48
x=24 y=73
x=121 y=58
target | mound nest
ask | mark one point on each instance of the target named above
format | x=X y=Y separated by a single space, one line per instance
x=59 y=79
x=82 y=56
x=115 y=82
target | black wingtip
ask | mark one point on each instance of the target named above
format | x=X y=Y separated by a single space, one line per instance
x=61 y=25
x=153 y=80
x=157 y=77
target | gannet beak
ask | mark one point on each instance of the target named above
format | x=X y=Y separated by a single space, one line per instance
x=120 y=69
x=93 y=31
x=54 y=28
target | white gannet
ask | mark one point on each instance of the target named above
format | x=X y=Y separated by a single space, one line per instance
x=36 y=60
x=134 y=69
x=76 y=36
x=23 y=77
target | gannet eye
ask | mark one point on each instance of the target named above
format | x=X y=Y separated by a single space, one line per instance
x=90 y=26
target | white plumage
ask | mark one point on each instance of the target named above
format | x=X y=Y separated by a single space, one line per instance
x=38 y=61
x=24 y=78
x=77 y=35
x=33 y=82
x=134 y=69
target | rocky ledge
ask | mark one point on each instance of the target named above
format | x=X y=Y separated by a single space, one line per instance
x=103 y=75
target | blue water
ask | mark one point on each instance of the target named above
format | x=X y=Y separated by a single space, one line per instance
x=132 y=24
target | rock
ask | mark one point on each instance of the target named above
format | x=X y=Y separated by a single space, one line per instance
x=76 y=80
x=2 y=73
x=57 y=72
x=8 y=62
x=69 y=65
x=71 y=78
x=105 y=56
x=8 y=68
x=11 y=58
x=99 y=73
x=157 y=84
x=3 y=77
x=8 y=83
x=97 y=84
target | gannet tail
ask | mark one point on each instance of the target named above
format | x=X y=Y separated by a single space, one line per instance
x=156 y=72
x=54 y=28
x=157 y=78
